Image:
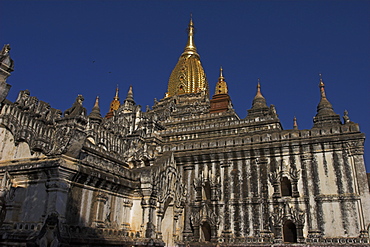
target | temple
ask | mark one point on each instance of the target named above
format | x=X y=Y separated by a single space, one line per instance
x=186 y=172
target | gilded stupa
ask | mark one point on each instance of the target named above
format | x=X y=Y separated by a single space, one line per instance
x=188 y=75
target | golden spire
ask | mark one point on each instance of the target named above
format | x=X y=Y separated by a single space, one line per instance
x=190 y=48
x=221 y=86
x=114 y=105
x=221 y=74
x=188 y=75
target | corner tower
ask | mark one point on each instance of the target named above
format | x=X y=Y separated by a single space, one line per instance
x=325 y=112
x=188 y=75
x=220 y=101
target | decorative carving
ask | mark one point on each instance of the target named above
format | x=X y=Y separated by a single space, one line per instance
x=77 y=109
x=294 y=173
x=298 y=216
x=355 y=147
x=273 y=111
x=284 y=167
x=22 y=100
x=49 y=235
x=6 y=67
x=61 y=138
x=5 y=50
x=42 y=110
x=276 y=218
x=282 y=214
x=274 y=177
x=31 y=104
x=204 y=214
x=68 y=140
x=295 y=215
x=346 y=119
x=167 y=184
x=53 y=115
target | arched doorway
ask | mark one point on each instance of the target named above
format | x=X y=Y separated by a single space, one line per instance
x=290 y=232
x=206 y=232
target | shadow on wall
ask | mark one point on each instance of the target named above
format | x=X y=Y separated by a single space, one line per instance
x=30 y=217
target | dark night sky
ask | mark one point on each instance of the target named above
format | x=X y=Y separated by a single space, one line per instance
x=284 y=43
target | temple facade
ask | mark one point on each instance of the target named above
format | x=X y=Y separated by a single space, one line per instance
x=186 y=172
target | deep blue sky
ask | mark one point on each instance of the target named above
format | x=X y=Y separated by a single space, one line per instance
x=285 y=43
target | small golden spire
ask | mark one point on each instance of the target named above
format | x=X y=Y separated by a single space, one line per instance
x=221 y=86
x=295 y=125
x=221 y=74
x=114 y=105
x=116 y=97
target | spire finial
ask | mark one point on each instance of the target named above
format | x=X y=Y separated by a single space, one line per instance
x=95 y=113
x=259 y=94
x=129 y=102
x=96 y=101
x=295 y=125
x=322 y=87
x=190 y=46
x=259 y=101
x=259 y=106
x=221 y=74
x=130 y=95
x=116 y=97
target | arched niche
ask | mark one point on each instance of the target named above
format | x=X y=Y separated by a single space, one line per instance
x=286 y=187
x=207 y=191
x=205 y=232
x=290 y=232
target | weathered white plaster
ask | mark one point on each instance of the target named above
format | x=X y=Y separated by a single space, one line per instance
x=333 y=219
x=136 y=215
